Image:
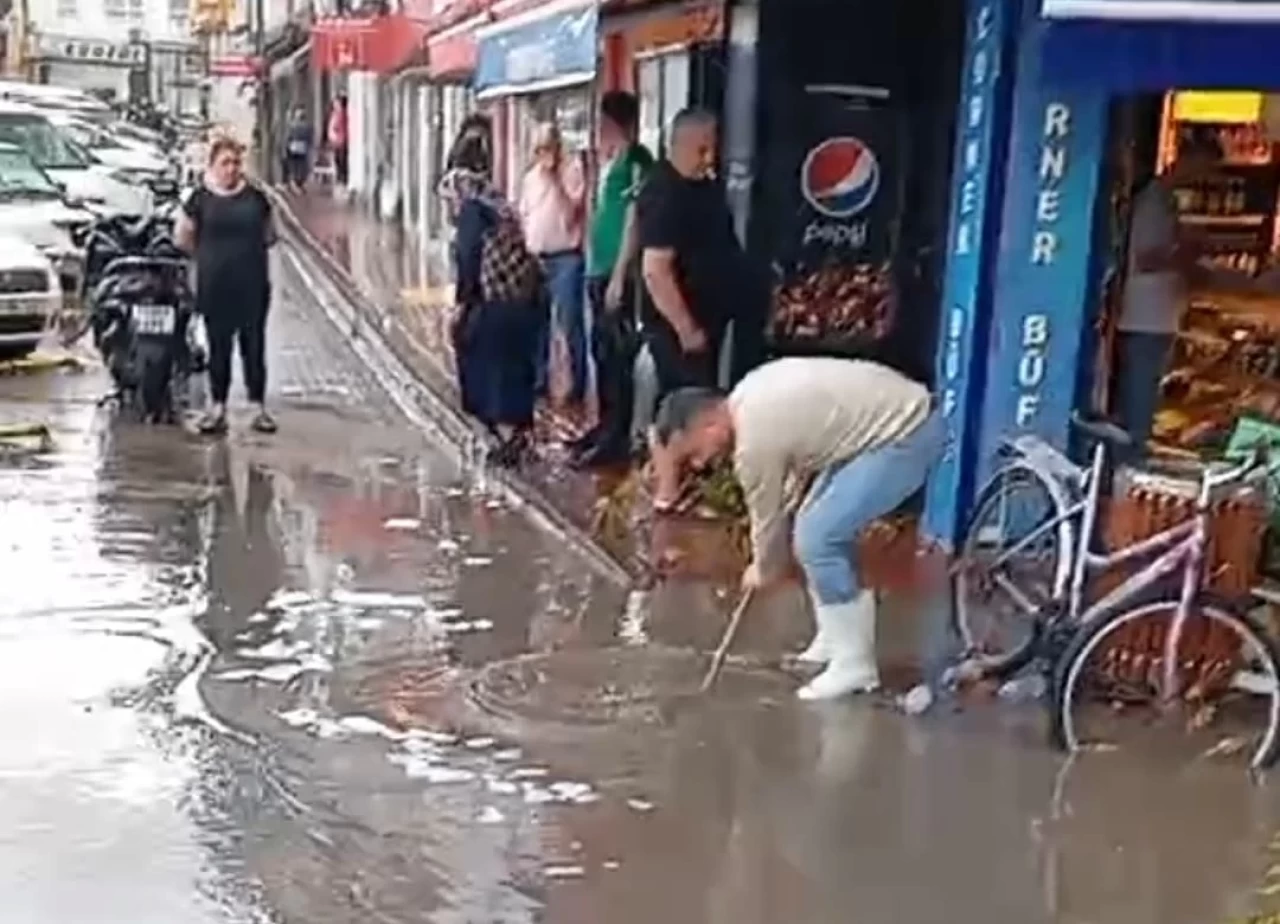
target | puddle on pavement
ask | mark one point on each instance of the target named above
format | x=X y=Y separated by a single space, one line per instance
x=337 y=685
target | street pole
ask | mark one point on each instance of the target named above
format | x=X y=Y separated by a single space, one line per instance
x=264 y=90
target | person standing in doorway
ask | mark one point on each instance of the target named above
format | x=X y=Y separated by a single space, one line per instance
x=338 y=138
x=552 y=210
x=1159 y=263
x=297 y=149
x=693 y=268
x=611 y=280
x=227 y=224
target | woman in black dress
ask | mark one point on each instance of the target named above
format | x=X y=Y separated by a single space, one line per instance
x=226 y=222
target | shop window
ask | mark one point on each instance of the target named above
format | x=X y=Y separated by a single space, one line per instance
x=663 y=85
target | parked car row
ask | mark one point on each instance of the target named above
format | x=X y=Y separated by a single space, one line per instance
x=68 y=160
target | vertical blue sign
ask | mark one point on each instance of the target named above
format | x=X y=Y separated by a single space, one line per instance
x=1044 y=278
x=976 y=180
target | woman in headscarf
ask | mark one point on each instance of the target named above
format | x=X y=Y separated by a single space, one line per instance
x=498 y=289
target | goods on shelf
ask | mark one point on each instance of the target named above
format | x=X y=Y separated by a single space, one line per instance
x=837 y=301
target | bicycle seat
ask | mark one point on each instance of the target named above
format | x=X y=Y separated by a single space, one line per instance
x=1102 y=430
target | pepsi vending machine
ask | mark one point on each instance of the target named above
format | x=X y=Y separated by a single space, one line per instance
x=835 y=227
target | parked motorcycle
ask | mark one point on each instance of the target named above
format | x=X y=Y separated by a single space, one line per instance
x=142 y=313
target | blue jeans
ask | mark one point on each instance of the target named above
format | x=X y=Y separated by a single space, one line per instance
x=846 y=498
x=566 y=290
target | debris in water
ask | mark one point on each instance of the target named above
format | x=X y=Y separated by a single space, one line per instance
x=566 y=871
x=287 y=599
x=502 y=787
x=641 y=805
x=434 y=737
x=447 y=545
x=316 y=664
x=579 y=793
x=372 y=599
x=479 y=744
x=1024 y=689
x=917 y=700
x=461 y=628
x=279 y=673
x=235 y=674
x=276 y=650
x=299 y=718
x=477 y=561
x=508 y=754
x=363 y=725
x=403 y=524
x=258 y=618
x=428 y=772
x=611 y=865
x=490 y=816
x=1228 y=747
x=528 y=773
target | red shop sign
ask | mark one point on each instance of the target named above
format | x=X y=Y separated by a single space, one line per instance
x=380 y=44
x=234 y=66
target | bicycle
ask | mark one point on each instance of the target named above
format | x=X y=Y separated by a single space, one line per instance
x=1042 y=575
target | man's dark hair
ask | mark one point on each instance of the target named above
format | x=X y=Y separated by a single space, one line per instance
x=681 y=408
x=621 y=108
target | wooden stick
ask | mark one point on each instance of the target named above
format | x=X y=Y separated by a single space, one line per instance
x=726 y=642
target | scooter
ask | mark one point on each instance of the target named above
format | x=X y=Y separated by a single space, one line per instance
x=142 y=313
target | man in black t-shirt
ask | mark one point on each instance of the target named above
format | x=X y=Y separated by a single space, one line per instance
x=693 y=265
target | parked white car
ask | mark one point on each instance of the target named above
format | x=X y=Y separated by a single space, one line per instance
x=33 y=208
x=30 y=296
x=98 y=185
x=133 y=159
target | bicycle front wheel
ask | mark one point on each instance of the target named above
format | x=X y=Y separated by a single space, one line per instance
x=1109 y=686
x=1012 y=564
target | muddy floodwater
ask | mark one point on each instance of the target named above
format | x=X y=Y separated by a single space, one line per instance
x=342 y=676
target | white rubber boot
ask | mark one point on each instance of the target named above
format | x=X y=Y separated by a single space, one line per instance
x=852 y=668
x=819 y=650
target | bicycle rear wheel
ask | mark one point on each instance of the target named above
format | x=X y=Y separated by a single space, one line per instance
x=999 y=583
x=1108 y=686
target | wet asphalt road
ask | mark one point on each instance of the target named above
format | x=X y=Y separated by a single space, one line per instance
x=332 y=676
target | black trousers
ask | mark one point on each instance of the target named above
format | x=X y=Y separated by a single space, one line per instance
x=229 y=320
x=340 y=165
x=677 y=369
x=614 y=346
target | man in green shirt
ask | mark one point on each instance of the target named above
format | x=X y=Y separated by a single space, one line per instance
x=611 y=279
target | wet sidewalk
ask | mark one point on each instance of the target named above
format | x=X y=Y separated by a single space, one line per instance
x=402 y=284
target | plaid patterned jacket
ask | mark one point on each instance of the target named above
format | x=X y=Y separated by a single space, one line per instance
x=508 y=271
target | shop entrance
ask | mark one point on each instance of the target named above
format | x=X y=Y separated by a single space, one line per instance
x=1191 y=318
x=856 y=108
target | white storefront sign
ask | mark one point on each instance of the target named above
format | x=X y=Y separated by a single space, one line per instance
x=90 y=51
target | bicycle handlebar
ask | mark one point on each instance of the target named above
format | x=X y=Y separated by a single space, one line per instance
x=1258 y=457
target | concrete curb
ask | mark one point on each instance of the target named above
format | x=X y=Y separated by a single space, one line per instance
x=427 y=397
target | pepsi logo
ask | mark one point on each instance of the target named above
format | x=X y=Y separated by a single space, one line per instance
x=840 y=177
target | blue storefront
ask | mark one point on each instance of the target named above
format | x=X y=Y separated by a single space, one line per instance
x=1035 y=233
x=538 y=67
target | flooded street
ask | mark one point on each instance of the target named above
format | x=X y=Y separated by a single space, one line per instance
x=337 y=675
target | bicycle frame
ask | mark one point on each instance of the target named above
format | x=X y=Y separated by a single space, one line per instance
x=1182 y=546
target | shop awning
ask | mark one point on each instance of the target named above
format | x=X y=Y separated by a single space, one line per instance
x=1165 y=10
x=381 y=44
x=554 y=46
x=1148 y=56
